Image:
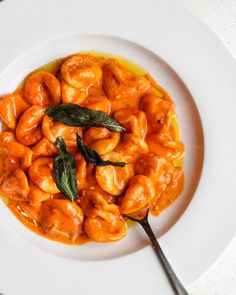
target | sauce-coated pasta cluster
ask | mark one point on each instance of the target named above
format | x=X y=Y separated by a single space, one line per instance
x=150 y=146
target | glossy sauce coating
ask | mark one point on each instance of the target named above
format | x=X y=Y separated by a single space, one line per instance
x=151 y=146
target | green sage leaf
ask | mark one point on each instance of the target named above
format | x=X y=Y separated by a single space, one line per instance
x=92 y=156
x=77 y=116
x=64 y=171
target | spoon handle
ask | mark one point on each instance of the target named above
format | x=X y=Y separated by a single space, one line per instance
x=175 y=282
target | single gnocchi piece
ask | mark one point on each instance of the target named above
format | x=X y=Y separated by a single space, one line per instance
x=131 y=147
x=52 y=129
x=167 y=193
x=98 y=103
x=113 y=179
x=84 y=173
x=44 y=148
x=109 y=228
x=139 y=193
x=119 y=83
x=133 y=120
x=37 y=196
x=101 y=140
x=157 y=109
x=28 y=130
x=42 y=89
x=151 y=166
x=10 y=164
x=71 y=94
x=82 y=72
x=11 y=108
x=166 y=142
x=158 y=170
x=93 y=203
x=61 y=219
x=11 y=148
x=16 y=186
x=165 y=147
x=40 y=173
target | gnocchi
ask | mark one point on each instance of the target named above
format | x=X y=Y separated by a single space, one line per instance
x=74 y=189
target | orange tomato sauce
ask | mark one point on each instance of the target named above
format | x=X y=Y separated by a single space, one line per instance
x=151 y=146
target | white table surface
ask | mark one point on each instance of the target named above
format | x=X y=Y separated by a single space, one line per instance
x=220 y=15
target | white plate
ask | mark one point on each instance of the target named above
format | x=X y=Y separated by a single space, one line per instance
x=152 y=32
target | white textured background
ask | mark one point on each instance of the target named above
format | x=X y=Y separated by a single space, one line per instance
x=220 y=15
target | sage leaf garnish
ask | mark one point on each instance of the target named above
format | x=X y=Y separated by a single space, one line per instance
x=74 y=115
x=64 y=171
x=92 y=156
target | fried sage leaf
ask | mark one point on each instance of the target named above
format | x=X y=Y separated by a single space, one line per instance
x=77 y=116
x=64 y=171
x=92 y=156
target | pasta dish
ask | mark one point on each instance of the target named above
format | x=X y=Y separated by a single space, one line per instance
x=87 y=141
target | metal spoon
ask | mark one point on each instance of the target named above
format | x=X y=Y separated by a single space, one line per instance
x=178 y=288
